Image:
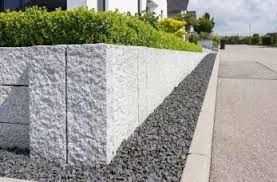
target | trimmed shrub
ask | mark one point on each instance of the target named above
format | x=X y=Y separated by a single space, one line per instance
x=36 y=26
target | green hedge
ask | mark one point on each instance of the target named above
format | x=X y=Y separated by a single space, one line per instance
x=38 y=27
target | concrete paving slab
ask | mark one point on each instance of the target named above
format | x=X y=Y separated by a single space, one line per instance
x=246 y=70
x=242 y=53
x=245 y=146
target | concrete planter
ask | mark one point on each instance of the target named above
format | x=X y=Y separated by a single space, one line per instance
x=84 y=100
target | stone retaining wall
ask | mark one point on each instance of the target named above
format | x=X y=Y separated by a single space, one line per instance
x=14 y=98
x=84 y=100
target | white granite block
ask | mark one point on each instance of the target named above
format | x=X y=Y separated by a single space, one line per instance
x=48 y=103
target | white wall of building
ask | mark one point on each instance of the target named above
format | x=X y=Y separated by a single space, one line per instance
x=72 y=4
x=160 y=9
x=92 y=4
x=126 y=6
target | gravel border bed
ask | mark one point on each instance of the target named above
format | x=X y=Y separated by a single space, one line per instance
x=155 y=152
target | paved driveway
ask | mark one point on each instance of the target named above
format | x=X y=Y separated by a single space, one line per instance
x=245 y=133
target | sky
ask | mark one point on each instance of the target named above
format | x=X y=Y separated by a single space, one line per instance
x=233 y=17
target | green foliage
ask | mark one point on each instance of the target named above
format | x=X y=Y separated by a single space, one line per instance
x=267 y=40
x=36 y=26
x=274 y=39
x=189 y=18
x=205 y=36
x=216 y=40
x=255 y=40
x=245 y=40
x=193 y=39
x=204 y=24
x=173 y=26
x=150 y=18
x=237 y=39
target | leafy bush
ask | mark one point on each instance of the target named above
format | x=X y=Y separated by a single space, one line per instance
x=193 y=39
x=267 y=40
x=36 y=26
x=150 y=18
x=245 y=40
x=274 y=39
x=216 y=40
x=237 y=39
x=255 y=40
x=174 y=26
x=189 y=18
x=205 y=36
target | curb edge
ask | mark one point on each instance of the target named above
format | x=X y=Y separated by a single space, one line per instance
x=198 y=161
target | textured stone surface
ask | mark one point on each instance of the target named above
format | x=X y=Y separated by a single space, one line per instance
x=112 y=89
x=88 y=108
x=14 y=135
x=87 y=117
x=105 y=91
x=122 y=95
x=13 y=65
x=153 y=153
x=14 y=105
x=47 y=103
x=166 y=67
x=12 y=180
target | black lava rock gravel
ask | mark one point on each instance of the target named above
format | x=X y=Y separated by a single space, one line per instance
x=155 y=152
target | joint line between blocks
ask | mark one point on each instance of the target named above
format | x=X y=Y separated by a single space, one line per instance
x=66 y=104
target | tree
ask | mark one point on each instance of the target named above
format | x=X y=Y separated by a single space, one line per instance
x=204 y=24
x=255 y=40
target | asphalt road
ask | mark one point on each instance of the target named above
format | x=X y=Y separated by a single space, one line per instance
x=245 y=133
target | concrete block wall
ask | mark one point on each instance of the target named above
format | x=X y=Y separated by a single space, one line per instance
x=109 y=91
x=84 y=100
x=208 y=44
x=14 y=98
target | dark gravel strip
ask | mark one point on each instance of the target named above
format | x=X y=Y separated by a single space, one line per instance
x=155 y=152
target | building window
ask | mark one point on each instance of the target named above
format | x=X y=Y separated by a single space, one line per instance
x=1 y=5
x=12 y=4
x=102 y=5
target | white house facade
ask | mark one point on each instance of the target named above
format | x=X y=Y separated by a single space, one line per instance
x=162 y=8
x=158 y=6
x=132 y=6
